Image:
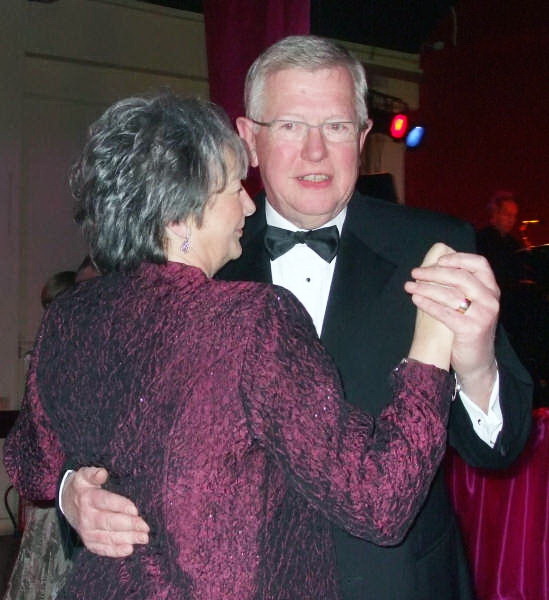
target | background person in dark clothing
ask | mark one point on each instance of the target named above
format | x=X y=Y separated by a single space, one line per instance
x=495 y=241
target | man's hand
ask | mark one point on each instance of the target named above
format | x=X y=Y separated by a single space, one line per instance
x=108 y=524
x=460 y=276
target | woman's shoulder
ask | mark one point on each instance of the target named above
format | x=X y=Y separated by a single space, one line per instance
x=257 y=294
x=262 y=301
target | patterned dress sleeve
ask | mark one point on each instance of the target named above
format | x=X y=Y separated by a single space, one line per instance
x=33 y=455
x=368 y=477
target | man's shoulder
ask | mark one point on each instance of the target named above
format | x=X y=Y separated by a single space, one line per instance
x=488 y=232
x=383 y=223
x=371 y=207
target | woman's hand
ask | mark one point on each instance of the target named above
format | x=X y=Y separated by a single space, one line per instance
x=432 y=341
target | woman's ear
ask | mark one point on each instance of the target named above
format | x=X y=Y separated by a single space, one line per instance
x=179 y=231
x=246 y=130
x=178 y=239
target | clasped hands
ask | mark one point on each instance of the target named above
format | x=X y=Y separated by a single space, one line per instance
x=459 y=289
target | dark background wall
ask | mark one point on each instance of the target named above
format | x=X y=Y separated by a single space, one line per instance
x=485 y=101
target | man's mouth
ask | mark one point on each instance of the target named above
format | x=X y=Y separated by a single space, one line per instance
x=314 y=177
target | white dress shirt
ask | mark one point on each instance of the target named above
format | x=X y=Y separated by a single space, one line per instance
x=309 y=277
x=302 y=271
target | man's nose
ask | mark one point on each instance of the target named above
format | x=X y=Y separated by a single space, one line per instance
x=314 y=145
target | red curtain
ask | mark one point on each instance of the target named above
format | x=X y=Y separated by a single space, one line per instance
x=237 y=31
x=504 y=518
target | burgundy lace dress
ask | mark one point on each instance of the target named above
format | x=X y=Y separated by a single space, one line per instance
x=215 y=408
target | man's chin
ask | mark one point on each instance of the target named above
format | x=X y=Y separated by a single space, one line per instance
x=314 y=217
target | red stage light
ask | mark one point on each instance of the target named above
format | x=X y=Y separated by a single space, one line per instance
x=399 y=126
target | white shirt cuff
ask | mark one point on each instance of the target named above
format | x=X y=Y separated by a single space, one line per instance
x=67 y=473
x=486 y=426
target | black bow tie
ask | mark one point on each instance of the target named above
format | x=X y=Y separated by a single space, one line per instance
x=323 y=241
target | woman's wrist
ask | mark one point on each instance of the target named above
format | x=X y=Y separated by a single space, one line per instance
x=432 y=352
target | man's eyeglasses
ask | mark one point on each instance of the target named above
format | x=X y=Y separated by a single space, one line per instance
x=295 y=131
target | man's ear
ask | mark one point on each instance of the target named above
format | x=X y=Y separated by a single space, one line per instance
x=247 y=133
x=364 y=133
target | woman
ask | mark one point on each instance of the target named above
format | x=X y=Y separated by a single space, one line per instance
x=212 y=404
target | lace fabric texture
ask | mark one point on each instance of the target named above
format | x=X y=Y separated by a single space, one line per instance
x=215 y=408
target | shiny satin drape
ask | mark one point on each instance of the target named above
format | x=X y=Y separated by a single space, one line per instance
x=504 y=517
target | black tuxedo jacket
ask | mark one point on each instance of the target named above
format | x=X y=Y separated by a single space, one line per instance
x=367 y=329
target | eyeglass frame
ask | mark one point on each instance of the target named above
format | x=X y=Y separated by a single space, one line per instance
x=308 y=126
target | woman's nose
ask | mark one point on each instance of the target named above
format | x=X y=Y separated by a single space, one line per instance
x=247 y=203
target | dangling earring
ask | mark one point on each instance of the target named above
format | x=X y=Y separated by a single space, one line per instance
x=186 y=245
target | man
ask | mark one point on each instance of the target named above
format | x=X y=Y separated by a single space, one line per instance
x=496 y=243
x=306 y=124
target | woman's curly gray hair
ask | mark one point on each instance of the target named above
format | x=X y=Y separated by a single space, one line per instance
x=148 y=162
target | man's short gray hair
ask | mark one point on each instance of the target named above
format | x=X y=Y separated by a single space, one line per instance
x=306 y=52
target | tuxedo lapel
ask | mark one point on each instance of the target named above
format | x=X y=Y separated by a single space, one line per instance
x=359 y=278
x=254 y=264
x=361 y=303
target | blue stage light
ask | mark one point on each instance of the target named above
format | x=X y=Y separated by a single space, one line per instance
x=415 y=136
